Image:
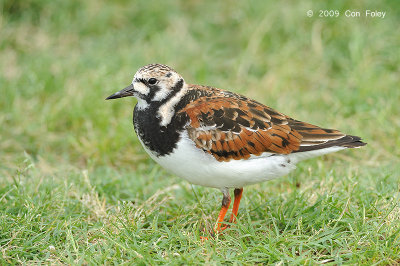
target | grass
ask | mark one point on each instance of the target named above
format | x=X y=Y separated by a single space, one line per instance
x=77 y=188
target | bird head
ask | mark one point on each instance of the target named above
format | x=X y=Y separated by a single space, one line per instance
x=151 y=83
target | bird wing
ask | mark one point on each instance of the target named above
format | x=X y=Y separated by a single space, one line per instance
x=230 y=126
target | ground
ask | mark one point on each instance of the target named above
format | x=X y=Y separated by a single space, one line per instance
x=77 y=188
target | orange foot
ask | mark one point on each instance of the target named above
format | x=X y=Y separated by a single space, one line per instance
x=238 y=196
x=226 y=201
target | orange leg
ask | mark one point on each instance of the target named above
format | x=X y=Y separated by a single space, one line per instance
x=238 y=196
x=226 y=201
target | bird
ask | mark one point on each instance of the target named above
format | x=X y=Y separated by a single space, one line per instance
x=216 y=138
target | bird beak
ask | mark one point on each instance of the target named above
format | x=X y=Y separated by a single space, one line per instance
x=128 y=91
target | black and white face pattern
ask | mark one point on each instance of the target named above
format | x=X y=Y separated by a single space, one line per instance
x=158 y=89
x=156 y=83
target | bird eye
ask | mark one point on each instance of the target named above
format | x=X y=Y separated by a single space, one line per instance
x=152 y=81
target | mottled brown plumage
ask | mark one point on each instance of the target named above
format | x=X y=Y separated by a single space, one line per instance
x=231 y=126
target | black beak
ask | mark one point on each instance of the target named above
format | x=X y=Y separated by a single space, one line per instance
x=128 y=91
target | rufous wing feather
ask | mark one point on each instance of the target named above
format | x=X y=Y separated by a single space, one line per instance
x=230 y=126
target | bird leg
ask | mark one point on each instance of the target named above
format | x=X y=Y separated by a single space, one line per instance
x=238 y=196
x=226 y=201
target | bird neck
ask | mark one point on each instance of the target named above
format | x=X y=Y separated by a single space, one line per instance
x=159 y=125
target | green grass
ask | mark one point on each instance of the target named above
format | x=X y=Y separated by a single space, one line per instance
x=77 y=188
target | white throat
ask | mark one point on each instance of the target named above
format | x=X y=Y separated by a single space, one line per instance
x=141 y=104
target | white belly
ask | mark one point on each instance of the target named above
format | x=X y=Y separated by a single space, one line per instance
x=200 y=168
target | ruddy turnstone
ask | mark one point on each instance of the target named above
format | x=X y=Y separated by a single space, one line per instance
x=220 y=139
